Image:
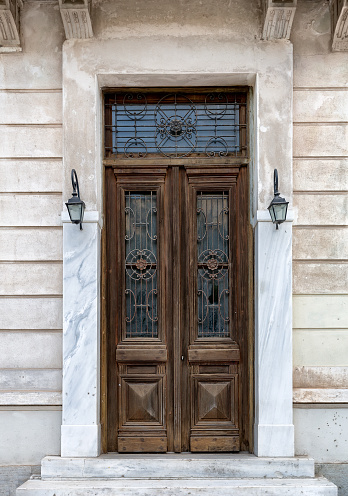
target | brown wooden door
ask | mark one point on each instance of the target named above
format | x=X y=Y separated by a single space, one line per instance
x=177 y=303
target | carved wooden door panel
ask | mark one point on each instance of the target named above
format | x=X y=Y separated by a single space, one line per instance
x=174 y=378
x=213 y=353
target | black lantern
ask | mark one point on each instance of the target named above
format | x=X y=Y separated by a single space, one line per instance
x=75 y=205
x=279 y=206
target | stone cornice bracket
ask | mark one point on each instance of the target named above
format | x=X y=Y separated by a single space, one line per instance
x=278 y=18
x=9 y=25
x=76 y=18
x=339 y=23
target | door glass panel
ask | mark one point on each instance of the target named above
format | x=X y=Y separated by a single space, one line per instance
x=213 y=264
x=141 y=264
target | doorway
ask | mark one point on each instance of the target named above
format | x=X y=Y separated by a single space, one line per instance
x=177 y=273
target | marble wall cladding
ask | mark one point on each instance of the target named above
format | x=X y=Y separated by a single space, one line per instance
x=273 y=360
x=81 y=277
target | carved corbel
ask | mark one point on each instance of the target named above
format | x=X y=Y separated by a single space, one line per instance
x=76 y=18
x=339 y=23
x=9 y=24
x=278 y=18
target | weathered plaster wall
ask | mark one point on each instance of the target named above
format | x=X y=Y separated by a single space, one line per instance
x=233 y=18
x=31 y=243
x=320 y=241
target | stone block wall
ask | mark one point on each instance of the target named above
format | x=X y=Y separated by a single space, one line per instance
x=320 y=243
x=30 y=245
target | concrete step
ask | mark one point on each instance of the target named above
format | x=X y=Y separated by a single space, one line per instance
x=183 y=465
x=179 y=487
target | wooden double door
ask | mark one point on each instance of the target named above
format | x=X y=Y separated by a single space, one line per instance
x=177 y=307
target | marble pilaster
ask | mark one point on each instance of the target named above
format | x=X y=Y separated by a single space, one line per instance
x=273 y=428
x=81 y=305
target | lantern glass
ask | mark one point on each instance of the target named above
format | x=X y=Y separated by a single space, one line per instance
x=279 y=212
x=76 y=211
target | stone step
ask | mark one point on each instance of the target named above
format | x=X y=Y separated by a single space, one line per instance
x=179 y=487
x=183 y=465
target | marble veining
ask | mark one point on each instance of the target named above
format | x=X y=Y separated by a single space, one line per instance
x=273 y=341
x=81 y=291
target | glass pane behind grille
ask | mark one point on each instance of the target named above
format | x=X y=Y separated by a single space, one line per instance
x=141 y=264
x=213 y=264
x=174 y=125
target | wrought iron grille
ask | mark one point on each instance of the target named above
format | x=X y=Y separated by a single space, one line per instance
x=213 y=264
x=178 y=125
x=141 y=264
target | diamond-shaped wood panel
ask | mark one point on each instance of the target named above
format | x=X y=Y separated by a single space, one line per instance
x=141 y=401
x=214 y=401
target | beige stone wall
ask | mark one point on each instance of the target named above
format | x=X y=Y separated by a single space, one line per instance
x=31 y=239
x=320 y=240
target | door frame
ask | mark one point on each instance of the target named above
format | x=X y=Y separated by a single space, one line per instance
x=268 y=69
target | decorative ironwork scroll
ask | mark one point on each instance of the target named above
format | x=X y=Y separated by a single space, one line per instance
x=176 y=125
x=141 y=264
x=213 y=293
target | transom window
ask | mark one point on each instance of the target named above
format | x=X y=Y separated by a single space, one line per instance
x=139 y=124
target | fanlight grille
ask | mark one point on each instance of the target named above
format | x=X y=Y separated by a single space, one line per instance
x=139 y=125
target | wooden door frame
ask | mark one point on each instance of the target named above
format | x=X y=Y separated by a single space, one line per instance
x=247 y=263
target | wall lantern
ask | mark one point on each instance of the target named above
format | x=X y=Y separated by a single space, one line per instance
x=279 y=206
x=75 y=205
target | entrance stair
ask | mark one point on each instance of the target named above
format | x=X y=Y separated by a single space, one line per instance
x=177 y=475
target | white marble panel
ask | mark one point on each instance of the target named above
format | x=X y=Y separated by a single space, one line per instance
x=181 y=487
x=81 y=275
x=273 y=345
x=78 y=439
x=176 y=465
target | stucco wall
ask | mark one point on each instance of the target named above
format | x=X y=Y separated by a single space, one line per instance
x=320 y=237
x=31 y=240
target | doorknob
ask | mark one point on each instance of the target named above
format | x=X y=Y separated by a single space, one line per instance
x=182 y=357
